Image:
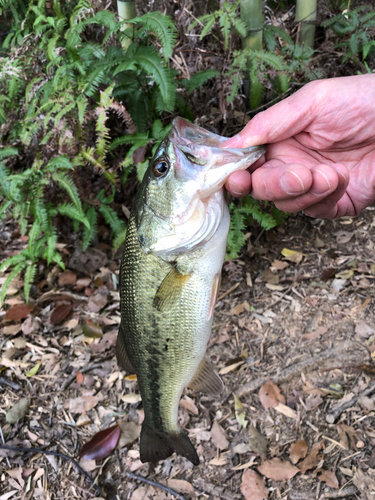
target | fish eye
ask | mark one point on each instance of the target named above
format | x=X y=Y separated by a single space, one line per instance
x=160 y=168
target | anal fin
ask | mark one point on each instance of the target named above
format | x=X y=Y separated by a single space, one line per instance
x=121 y=354
x=169 y=289
x=206 y=379
x=155 y=446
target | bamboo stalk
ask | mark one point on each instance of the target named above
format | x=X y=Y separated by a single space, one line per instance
x=126 y=10
x=252 y=16
x=306 y=16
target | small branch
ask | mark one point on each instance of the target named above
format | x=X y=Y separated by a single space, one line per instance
x=56 y=454
x=153 y=483
x=335 y=414
x=347 y=352
x=72 y=377
x=9 y=383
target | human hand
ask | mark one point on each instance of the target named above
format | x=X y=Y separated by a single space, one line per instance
x=321 y=152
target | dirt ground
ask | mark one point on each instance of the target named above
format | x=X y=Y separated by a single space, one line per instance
x=304 y=320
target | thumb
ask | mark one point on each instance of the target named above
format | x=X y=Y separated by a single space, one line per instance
x=281 y=121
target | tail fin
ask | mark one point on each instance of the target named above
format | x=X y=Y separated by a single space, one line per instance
x=156 y=447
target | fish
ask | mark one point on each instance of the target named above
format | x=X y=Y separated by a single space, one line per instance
x=170 y=277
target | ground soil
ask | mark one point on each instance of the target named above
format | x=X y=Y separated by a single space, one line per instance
x=305 y=321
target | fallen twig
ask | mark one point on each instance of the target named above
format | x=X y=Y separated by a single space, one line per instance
x=56 y=454
x=335 y=414
x=72 y=377
x=348 y=351
x=154 y=483
x=13 y=385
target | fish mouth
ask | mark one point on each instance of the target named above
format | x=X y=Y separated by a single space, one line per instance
x=203 y=158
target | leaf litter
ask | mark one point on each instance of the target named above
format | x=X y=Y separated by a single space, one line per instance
x=247 y=445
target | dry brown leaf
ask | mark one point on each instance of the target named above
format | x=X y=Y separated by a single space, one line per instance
x=253 y=486
x=313 y=458
x=270 y=395
x=328 y=477
x=81 y=404
x=108 y=340
x=130 y=432
x=279 y=264
x=230 y=368
x=67 y=278
x=286 y=410
x=317 y=333
x=313 y=401
x=222 y=460
x=60 y=313
x=17 y=312
x=344 y=441
x=297 y=451
x=292 y=255
x=344 y=236
x=97 y=302
x=189 y=405
x=271 y=278
x=219 y=438
x=278 y=470
x=181 y=486
x=240 y=308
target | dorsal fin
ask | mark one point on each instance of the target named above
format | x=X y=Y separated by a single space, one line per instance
x=169 y=289
x=206 y=379
x=121 y=354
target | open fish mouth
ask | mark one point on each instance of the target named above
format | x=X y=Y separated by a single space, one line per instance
x=205 y=158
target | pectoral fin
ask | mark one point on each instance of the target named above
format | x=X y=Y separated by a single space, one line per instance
x=170 y=289
x=206 y=379
x=121 y=354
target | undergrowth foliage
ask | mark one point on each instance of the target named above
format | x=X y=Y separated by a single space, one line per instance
x=68 y=70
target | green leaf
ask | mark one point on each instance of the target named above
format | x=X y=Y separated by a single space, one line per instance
x=198 y=79
x=112 y=219
x=29 y=279
x=17 y=269
x=73 y=213
x=68 y=185
x=164 y=29
x=149 y=60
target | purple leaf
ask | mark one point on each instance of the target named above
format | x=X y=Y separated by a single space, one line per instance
x=101 y=444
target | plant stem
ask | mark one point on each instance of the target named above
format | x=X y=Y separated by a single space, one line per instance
x=306 y=16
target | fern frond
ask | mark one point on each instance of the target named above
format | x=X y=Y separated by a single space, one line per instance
x=34 y=233
x=163 y=27
x=68 y=185
x=111 y=218
x=28 y=280
x=198 y=79
x=89 y=234
x=17 y=269
x=119 y=240
x=51 y=246
x=8 y=151
x=73 y=213
x=149 y=60
x=59 y=162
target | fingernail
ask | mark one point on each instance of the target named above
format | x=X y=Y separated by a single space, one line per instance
x=321 y=191
x=236 y=189
x=291 y=183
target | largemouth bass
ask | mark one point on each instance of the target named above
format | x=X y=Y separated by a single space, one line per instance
x=170 y=277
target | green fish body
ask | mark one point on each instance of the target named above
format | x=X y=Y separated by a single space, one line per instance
x=170 y=277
